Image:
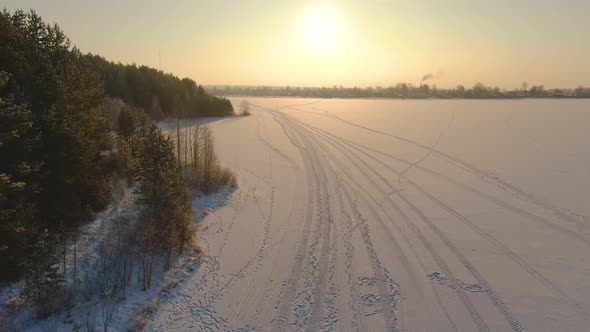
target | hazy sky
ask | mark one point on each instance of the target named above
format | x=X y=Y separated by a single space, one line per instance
x=315 y=43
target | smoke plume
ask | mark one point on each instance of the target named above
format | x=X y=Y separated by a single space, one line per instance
x=427 y=77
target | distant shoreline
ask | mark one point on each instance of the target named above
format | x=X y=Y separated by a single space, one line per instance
x=399 y=98
x=404 y=91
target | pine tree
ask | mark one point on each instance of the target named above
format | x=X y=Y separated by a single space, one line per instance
x=53 y=128
x=166 y=212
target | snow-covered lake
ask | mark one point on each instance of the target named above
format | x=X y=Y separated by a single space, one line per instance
x=395 y=215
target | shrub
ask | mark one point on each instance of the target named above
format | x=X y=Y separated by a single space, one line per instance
x=244 y=108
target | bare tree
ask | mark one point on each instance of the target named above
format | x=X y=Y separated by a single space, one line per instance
x=178 y=140
x=208 y=159
x=89 y=319
x=186 y=130
x=244 y=107
x=108 y=309
x=197 y=151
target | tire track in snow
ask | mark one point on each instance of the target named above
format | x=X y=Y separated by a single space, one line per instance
x=286 y=298
x=271 y=147
x=509 y=253
x=482 y=326
x=430 y=150
x=316 y=302
x=509 y=316
x=501 y=203
x=387 y=297
x=349 y=267
x=517 y=259
x=316 y=313
x=309 y=309
x=376 y=265
x=469 y=305
x=503 y=184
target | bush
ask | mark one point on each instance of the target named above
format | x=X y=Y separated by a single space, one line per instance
x=244 y=108
x=148 y=309
x=194 y=148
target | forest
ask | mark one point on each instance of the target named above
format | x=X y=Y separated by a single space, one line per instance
x=159 y=94
x=65 y=156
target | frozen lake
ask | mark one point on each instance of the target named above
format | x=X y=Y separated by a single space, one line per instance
x=395 y=215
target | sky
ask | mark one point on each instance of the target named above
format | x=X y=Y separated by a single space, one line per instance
x=323 y=43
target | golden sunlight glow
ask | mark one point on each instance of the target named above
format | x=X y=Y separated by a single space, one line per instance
x=321 y=29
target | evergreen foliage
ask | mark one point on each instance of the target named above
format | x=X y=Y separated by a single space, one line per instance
x=161 y=95
x=59 y=153
x=53 y=126
x=166 y=210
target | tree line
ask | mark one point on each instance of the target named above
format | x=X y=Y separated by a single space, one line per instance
x=63 y=153
x=159 y=94
x=401 y=90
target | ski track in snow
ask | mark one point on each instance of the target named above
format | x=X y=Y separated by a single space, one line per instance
x=330 y=233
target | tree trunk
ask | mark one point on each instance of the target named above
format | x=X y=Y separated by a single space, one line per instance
x=74 y=283
x=124 y=274
x=64 y=255
x=178 y=139
x=185 y=143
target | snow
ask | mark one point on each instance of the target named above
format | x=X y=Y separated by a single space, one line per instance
x=417 y=215
x=21 y=316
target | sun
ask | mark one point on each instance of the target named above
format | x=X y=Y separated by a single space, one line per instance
x=321 y=28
